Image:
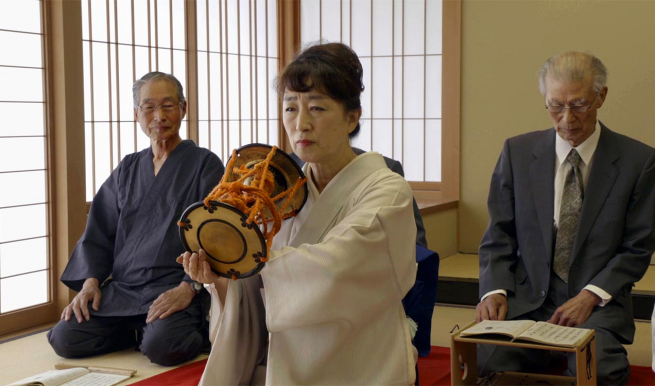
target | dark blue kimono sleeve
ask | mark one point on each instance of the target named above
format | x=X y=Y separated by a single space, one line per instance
x=93 y=255
x=210 y=175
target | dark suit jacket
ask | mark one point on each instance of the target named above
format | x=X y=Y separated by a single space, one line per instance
x=615 y=238
x=398 y=168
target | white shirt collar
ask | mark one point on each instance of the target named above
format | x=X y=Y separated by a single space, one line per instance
x=586 y=149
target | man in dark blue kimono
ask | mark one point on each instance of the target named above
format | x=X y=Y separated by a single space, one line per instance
x=124 y=264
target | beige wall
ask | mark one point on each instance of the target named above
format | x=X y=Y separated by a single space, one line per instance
x=503 y=45
x=441 y=232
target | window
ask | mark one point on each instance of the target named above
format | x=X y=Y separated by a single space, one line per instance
x=24 y=206
x=237 y=62
x=401 y=56
x=227 y=78
x=234 y=57
x=123 y=40
x=400 y=45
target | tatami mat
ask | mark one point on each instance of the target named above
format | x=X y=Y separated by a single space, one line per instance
x=22 y=358
x=31 y=355
x=647 y=283
x=460 y=265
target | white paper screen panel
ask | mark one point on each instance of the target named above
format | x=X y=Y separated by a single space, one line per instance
x=237 y=63
x=24 y=239
x=122 y=41
x=399 y=44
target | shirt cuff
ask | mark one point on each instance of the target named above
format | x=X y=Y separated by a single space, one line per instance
x=502 y=292
x=604 y=296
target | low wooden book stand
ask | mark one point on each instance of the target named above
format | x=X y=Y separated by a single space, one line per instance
x=464 y=366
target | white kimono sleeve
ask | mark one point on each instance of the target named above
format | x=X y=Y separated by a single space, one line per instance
x=364 y=265
x=237 y=332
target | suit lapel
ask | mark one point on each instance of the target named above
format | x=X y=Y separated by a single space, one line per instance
x=542 y=180
x=601 y=180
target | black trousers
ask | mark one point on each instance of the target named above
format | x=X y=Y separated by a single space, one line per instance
x=167 y=342
x=612 y=366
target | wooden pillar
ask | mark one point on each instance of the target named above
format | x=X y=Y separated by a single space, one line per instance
x=288 y=44
x=192 y=71
x=65 y=133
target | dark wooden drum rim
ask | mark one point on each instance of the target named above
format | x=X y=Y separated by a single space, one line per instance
x=288 y=162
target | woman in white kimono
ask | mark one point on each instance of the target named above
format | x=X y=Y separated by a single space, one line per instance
x=326 y=308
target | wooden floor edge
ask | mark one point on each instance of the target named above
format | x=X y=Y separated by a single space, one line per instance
x=27 y=332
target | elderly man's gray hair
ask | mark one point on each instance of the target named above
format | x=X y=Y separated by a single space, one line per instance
x=573 y=66
x=153 y=76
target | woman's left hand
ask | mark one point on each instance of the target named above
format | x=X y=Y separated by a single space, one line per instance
x=197 y=267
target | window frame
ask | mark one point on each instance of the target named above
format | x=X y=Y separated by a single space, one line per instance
x=448 y=192
x=54 y=19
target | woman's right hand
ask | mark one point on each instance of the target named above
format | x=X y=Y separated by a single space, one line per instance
x=197 y=267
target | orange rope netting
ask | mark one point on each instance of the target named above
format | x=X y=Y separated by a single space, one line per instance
x=255 y=197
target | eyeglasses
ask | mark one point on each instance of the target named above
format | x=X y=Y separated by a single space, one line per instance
x=166 y=107
x=577 y=109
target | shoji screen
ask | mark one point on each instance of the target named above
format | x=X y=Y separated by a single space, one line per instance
x=24 y=235
x=123 y=40
x=237 y=62
x=399 y=43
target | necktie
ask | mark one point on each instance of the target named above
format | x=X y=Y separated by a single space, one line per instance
x=569 y=216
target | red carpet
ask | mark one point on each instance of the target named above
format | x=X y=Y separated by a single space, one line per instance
x=433 y=370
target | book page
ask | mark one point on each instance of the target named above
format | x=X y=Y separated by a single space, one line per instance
x=504 y=327
x=97 y=379
x=553 y=334
x=52 y=377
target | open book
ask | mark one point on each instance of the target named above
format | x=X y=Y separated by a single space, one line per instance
x=77 y=376
x=528 y=330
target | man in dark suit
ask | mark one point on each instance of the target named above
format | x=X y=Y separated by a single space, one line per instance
x=572 y=220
